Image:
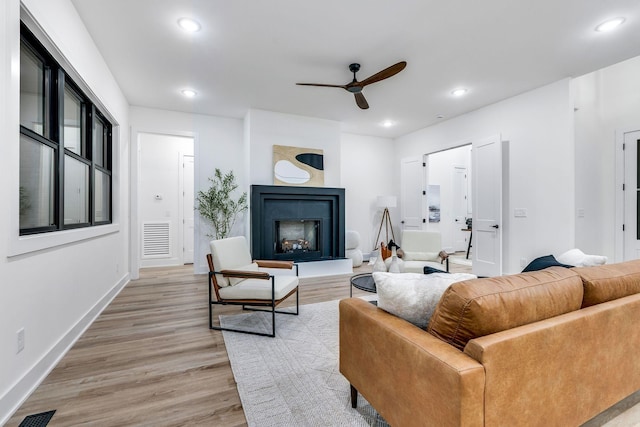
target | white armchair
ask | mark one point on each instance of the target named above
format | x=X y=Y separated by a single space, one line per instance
x=235 y=279
x=423 y=248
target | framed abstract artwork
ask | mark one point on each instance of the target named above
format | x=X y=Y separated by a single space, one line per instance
x=298 y=166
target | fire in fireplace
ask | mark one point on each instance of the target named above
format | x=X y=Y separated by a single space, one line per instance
x=297 y=236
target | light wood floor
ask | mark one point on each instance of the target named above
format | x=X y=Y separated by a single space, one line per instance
x=151 y=360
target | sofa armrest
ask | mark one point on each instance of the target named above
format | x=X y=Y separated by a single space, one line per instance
x=409 y=376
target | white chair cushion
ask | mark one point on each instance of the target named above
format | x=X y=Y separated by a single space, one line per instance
x=229 y=254
x=418 y=266
x=420 y=256
x=260 y=289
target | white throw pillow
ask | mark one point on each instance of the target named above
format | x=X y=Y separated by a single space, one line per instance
x=413 y=296
x=250 y=267
x=578 y=258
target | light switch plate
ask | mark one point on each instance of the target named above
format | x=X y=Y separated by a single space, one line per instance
x=520 y=213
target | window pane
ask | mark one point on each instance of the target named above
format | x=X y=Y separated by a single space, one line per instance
x=31 y=91
x=36 y=184
x=72 y=122
x=103 y=196
x=98 y=143
x=76 y=194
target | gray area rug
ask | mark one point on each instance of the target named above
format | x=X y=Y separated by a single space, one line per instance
x=293 y=379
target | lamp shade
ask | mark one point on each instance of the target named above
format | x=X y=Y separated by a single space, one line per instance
x=387 y=201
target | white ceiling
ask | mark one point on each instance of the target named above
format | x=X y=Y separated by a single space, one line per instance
x=250 y=53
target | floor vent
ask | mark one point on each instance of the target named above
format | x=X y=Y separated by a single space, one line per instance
x=37 y=420
x=155 y=239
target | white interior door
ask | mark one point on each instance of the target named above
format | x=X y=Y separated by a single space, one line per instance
x=188 y=209
x=459 y=208
x=411 y=192
x=487 y=206
x=631 y=190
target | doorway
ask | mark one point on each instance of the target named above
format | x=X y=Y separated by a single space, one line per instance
x=188 y=210
x=448 y=183
x=165 y=199
x=469 y=175
x=631 y=190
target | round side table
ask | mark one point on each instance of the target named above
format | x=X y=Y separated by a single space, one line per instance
x=364 y=282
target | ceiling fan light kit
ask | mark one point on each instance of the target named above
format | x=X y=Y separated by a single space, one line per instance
x=355 y=87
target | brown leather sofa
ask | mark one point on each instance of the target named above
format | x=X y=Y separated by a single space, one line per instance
x=548 y=348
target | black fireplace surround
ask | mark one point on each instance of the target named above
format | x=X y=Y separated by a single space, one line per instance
x=297 y=223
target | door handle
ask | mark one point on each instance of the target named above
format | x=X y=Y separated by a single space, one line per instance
x=495 y=226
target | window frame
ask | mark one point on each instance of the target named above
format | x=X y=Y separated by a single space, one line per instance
x=56 y=81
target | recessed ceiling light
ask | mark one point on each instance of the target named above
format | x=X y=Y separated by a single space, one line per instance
x=189 y=93
x=387 y=123
x=459 y=92
x=609 y=25
x=189 y=25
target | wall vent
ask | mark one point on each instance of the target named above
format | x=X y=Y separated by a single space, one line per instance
x=155 y=239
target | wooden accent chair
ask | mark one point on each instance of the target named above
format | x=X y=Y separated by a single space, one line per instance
x=236 y=279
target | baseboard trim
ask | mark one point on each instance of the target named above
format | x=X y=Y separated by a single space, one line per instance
x=23 y=388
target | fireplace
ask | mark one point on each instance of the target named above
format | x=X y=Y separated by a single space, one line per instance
x=297 y=223
x=299 y=236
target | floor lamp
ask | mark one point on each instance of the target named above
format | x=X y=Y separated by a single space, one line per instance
x=385 y=202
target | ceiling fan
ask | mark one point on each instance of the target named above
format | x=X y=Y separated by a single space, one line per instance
x=355 y=87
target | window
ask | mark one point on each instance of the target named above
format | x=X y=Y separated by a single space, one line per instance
x=65 y=148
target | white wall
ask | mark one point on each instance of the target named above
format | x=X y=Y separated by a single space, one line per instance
x=218 y=144
x=539 y=127
x=53 y=286
x=244 y=146
x=367 y=172
x=606 y=102
x=266 y=129
x=160 y=189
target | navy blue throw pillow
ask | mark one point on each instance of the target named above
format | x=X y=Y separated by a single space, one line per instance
x=544 y=262
x=429 y=270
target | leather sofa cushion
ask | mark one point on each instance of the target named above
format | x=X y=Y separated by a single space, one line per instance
x=608 y=282
x=480 y=307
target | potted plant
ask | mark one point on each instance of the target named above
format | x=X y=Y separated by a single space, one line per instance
x=217 y=205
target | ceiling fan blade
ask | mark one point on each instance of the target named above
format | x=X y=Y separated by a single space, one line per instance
x=384 y=74
x=322 y=85
x=361 y=101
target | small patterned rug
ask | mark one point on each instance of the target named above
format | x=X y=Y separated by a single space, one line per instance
x=293 y=379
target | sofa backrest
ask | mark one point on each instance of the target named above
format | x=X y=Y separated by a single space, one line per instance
x=608 y=282
x=480 y=307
